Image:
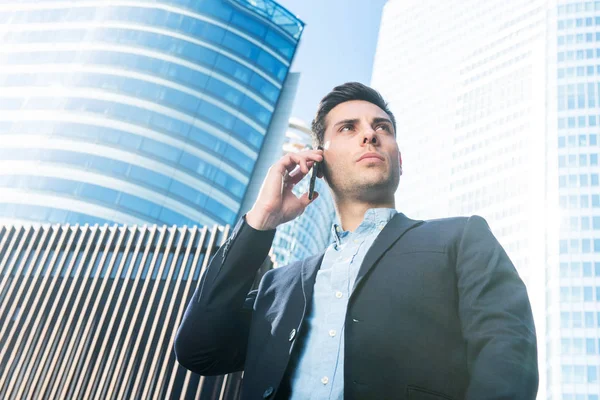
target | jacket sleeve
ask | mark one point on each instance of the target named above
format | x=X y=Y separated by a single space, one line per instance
x=213 y=335
x=496 y=319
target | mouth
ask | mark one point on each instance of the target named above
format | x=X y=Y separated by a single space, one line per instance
x=371 y=157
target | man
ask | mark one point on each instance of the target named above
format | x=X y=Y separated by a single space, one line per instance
x=394 y=308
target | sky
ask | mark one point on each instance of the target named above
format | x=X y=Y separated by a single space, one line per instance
x=338 y=45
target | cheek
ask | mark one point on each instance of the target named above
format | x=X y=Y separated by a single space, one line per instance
x=332 y=167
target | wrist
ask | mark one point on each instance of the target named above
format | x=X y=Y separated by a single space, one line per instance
x=260 y=221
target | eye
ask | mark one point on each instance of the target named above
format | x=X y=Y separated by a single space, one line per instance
x=385 y=127
x=346 y=128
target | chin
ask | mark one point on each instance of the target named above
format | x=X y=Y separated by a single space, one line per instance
x=383 y=183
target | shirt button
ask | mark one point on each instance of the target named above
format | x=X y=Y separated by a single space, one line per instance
x=268 y=392
x=332 y=333
x=339 y=294
x=292 y=334
x=324 y=380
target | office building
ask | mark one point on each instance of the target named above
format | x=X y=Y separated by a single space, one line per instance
x=137 y=112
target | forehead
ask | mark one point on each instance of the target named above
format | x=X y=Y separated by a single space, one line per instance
x=354 y=109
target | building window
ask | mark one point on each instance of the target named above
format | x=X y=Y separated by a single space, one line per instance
x=565 y=319
x=562 y=161
x=577 y=322
x=588 y=293
x=587 y=269
x=565 y=293
x=564 y=270
x=566 y=374
x=573 y=180
x=565 y=346
x=578 y=374
x=576 y=293
x=590 y=344
x=577 y=346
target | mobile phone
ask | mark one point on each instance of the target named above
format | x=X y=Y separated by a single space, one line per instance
x=313 y=178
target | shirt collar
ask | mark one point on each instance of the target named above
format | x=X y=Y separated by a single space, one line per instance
x=374 y=219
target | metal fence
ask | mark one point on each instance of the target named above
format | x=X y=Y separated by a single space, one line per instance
x=92 y=312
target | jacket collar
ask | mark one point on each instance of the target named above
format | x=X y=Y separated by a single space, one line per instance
x=392 y=232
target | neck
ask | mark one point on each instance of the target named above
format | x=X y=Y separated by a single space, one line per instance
x=352 y=213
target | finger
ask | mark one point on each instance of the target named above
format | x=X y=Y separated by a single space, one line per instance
x=311 y=155
x=300 y=159
x=297 y=175
x=293 y=164
x=305 y=201
x=288 y=162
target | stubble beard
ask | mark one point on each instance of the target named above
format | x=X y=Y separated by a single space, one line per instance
x=364 y=187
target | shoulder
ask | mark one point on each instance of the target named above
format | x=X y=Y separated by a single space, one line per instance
x=453 y=223
x=448 y=233
x=445 y=226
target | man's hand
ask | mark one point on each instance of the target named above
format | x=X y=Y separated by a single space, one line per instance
x=276 y=203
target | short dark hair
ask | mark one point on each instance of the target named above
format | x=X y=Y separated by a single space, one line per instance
x=341 y=94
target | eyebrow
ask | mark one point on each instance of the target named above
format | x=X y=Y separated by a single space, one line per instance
x=347 y=121
x=379 y=119
x=353 y=121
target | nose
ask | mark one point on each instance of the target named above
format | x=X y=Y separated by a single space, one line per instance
x=369 y=137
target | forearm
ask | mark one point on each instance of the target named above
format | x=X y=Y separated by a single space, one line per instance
x=505 y=368
x=212 y=337
x=502 y=348
x=496 y=319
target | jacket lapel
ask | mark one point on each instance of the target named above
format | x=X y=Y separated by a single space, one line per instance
x=392 y=232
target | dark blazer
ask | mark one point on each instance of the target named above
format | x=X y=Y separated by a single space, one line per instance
x=438 y=311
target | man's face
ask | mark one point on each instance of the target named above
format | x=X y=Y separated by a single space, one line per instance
x=354 y=129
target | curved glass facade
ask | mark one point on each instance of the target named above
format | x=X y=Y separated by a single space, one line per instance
x=137 y=112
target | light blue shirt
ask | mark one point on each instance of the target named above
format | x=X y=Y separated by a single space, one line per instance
x=318 y=368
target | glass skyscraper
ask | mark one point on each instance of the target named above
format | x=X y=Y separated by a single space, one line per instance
x=573 y=292
x=137 y=112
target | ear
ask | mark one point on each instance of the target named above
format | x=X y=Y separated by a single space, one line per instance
x=400 y=161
